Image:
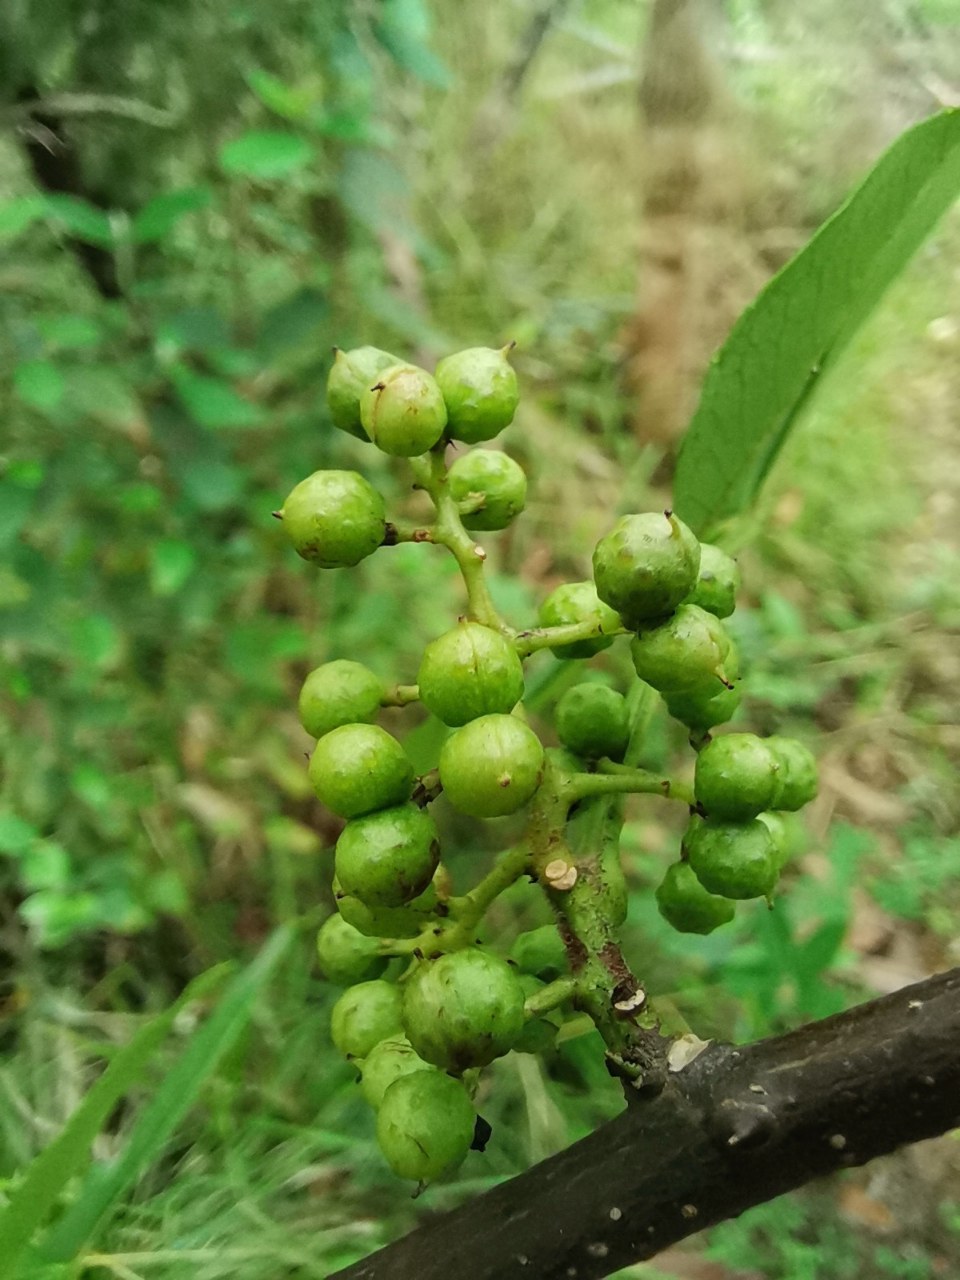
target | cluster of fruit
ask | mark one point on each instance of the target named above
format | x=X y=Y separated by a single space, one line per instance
x=419 y=1040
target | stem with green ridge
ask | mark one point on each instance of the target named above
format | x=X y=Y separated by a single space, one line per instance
x=535 y=638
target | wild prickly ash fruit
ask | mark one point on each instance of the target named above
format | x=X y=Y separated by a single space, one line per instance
x=346 y=956
x=718 y=582
x=352 y=373
x=496 y=479
x=387 y=922
x=797 y=775
x=780 y=833
x=480 y=390
x=491 y=767
x=574 y=602
x=541 y=953
x=690 y=652
x=646 y=565
x=403 y=411
x=425 y=1125
x=338 y=693
x=386 y=1062
x=701 y=710
x=364 y=1015
x=388 y=858
x=334 y=519
x=592 y=721
x=359 y=768
x=470 y=671
x=463 y=1009
x=737 y=777
x=686 y=905
x=732 y=859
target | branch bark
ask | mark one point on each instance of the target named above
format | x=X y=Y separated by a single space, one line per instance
x=737 y=1127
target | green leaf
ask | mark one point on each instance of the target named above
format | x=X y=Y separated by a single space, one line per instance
x=49 y=1173
x=69 y=331
x=295 y=103
x=102 y=393
x=103 y=1185
x=171 y=564
x=213 y=403
x=17 y=215
x=81 y=219
x=162 y=213
x=39 y=384
x=779 y=349
x=265 y=154
x=404 y=31
x=16 y=835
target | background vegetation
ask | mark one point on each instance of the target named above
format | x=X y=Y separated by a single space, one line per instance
x=198 y=201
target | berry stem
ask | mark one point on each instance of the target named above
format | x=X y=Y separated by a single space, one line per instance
x=554 y=994
x=612 y=778
x=528 y=642
x=400 y=695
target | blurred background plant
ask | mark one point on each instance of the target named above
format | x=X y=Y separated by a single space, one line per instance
x=198 y=201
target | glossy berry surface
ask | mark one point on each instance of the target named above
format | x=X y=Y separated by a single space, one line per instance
x=688 y=653
x=717 y=583
x=732 y=859
x=364 y=1015
x=388 y=858
x=491 y=767
x=463 y=1009
x=701 y=710
x=574 y=602
x=797 y=775
x=403 y=411
x=494 y=477
x=346 y=956
x=334 y=519
x=737 y=777
x=352 y=373
x=425 y=1125
x=592 y=721
x=468 y=672
x=646 y=565
x=686 y=905
x=337 y=693
x=359 y=768
x=386 y=1062
x=387 y=922
x=481 y=393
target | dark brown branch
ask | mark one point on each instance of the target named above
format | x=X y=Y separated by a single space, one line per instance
x=737 y=1127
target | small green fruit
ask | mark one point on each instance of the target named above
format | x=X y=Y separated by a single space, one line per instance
x=737 y=777
x=781 y=835
x=574 y=602
x=718 y=582
x=732 y=859
x=541 y=953
x=425 y=1125
x=463 y=1009
x=480 y=390
x=403 y=411
x=700 y=710
x=364 y=1015
x=688 y=653
x=337 y=693
x=495 y=477
x=646 y=565
x=686 y=905
x=359 y=768
x=345 y=955
x=388 y=858
x=491 y=767
x=386 y=1062
x=470 y=671
x=798 y=774
x=592 y=721
x=538 y=1034
x=334 y=519
x=387 y=922
x=351 y=374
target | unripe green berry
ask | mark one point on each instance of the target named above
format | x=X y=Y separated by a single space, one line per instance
x=540 y=952
x=352 y=373
x=574 y=602
x=388 y=858
x=463 y=1009
x=592 y=721
x=737 y=777
x=334 y=519
x=387 y=922
x=497 y=479
x=686 y=905
x=386 y=1062
x=425 y=1125
x=337 y=693
x=688 y=653
x=798 y=774
x=538 y=1035
x=491 y=767
x=700 y=710
x=732 y=859
x=781 y=835
x=346 y=956
x=479 y=387
x=468 y=672
x=359 y=768
x=403 y=411
x=364 y=1015
x=646 y=565
x=718 y=582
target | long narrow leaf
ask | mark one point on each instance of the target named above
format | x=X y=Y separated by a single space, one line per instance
x=779 y=349
x=104 y=1185
x=48 y=1174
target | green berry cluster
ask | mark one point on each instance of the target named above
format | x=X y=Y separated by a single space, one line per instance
x=426 y=1007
